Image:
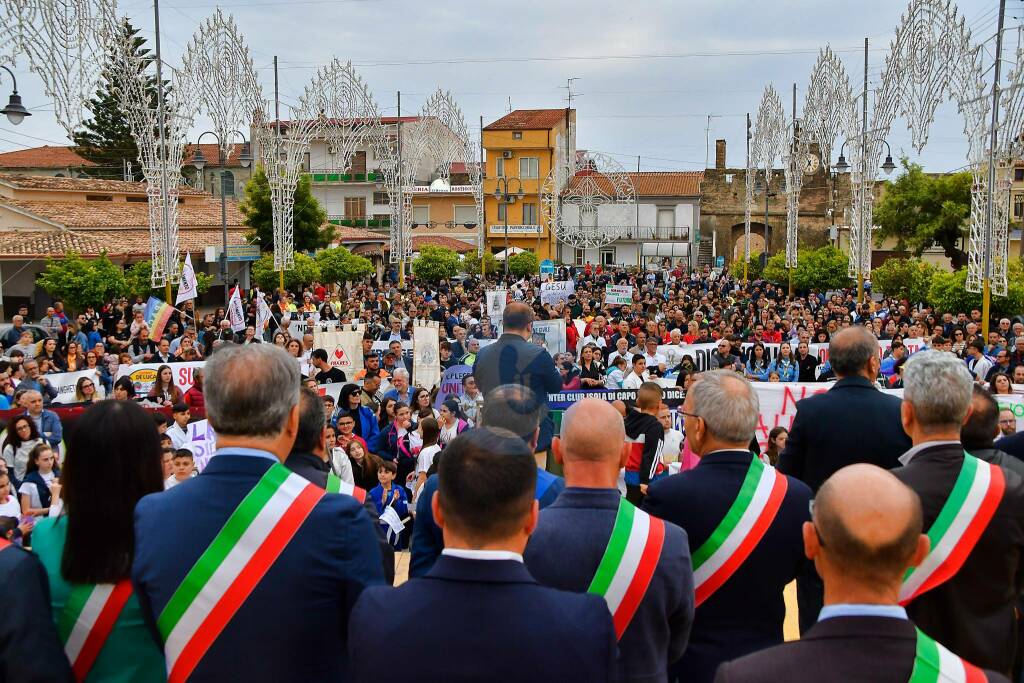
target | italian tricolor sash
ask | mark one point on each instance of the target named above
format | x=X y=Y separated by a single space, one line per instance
x=335 y=484
x=87 y=620
x=971 y=504
x=935 y=664
x=739 y=532
x=4 y=543
x=629 y=561
x=230 y=568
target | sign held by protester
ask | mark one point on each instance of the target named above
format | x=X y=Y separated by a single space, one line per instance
x=618 y=295
x=555 y=292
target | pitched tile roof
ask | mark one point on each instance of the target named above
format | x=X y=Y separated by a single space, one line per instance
x=529 y=119
x=197 y=213
x=212 y=153
x=18 y=244
x=458 y=246
x=345 y=234
x=42 y=182
x=43 y=157
x=651 y=184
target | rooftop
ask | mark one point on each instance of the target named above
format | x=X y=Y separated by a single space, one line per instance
x=32 y=244
x=39 y=182
x=652 y=183
x=212 y=153
x=98 y=215
x=43 y=157
x=529 y=119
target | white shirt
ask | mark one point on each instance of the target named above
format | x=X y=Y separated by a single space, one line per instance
x=341 y=466
x=482 y=554
x=12 y=508
x=673 y=445
x=909 y=455
x=633 y=380
x=32 y=491
x=178 y=435
x=426 y=458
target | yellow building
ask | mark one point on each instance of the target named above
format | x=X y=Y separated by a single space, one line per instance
x=520 y=149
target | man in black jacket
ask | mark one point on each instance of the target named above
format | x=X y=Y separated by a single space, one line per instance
x=862 y=546
x=850 y=423
x=514 y=360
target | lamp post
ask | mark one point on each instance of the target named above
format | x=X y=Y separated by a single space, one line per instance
x=15 y=110
x=864 y=233
x=503 y=195
x=199 y=162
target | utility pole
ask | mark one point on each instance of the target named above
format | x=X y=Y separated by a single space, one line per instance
x=570 y=164
x=277 y=149
x=795 y=167
x=482 y=234
x=986 y=296
x=170 y=260
x=401 y=204
x=746 y=210
x=861 y=246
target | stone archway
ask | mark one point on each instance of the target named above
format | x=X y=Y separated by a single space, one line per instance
x=757 y=241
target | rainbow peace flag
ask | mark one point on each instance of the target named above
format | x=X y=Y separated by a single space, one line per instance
x=157 y=314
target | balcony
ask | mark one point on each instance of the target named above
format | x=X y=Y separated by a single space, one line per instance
x=360 y=222
x=320 y=176
x=651 y=233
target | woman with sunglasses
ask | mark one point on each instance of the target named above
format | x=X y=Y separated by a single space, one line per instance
x=22 y=437
x=85 y=391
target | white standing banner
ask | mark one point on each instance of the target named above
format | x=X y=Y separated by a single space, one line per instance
x=263 y=313
x=343 y=346
x=188 y=288
x=496 y=303
x=65 y=383
x=550 y=334
x=618 y=295
x=236 y=312
x=426 y=355
x=144 y=374
x=556 y=292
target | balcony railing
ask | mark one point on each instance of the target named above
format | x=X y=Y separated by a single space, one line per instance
x=318 y=175
x=362 y=222
x=648 y=232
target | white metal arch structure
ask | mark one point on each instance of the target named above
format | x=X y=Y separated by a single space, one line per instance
x=16 y=18
x=161 y=165
x=595 y=206
x=931 y=59
x=218 y=73
x=348 y=116
x=440 y=138
x=65 y=41
x=772 y=141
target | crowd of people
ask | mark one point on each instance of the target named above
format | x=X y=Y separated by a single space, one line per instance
x=543 y=546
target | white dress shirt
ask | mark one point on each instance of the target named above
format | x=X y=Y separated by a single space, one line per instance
x=467 y=554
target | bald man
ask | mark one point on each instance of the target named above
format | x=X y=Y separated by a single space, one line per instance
x=862 y=546
x=574 y=538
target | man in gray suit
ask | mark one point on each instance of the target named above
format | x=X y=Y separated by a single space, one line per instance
x=571 y=544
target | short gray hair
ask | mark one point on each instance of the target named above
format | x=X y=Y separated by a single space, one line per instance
x=939 y=386
x=400 y=372
x=728 y=405
x=250 y=389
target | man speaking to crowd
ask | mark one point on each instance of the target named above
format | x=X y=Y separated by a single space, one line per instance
x=248 y=556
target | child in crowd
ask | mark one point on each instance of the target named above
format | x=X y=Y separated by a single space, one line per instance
x=9 y=505
x=178 y=431
x=184 y=468
x=41 y=485
x=386 y=495
x=431 y=431
x=616 y=373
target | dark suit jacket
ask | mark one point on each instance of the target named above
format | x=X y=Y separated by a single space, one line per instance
x=302 y=603
x=747 y=612
x=1012 y=445
x=565 y=550
x=851 y=422
x=850 y=649
x=973 y=613
x=482 y=620
x=513 y=360
x=30 y=651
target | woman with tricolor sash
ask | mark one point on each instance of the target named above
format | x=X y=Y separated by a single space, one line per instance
x=113 y=460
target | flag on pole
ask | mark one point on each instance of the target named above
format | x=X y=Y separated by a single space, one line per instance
x=157 y=314
x=236 y=313
x=189 y=287
x=263 y=314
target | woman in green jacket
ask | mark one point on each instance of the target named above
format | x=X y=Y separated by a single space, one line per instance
x=113 y=460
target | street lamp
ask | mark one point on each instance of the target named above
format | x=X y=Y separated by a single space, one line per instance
x=199 y=162
x=503 y=195
x=14 y=110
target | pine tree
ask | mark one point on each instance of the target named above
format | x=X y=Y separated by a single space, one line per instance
x=106 y=139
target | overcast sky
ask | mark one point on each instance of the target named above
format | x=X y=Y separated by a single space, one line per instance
x=650 y=71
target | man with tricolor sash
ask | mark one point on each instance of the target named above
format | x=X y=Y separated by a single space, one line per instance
x=249 y=571
x=862 y=546
x=964 y=593
x=742 y=519
x=593 y=540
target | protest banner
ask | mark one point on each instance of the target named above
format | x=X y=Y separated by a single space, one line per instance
x=555 y=292
x=202 y=441
x=426 y=357
x=496 y=299
x=672 y=396
x=343 y=346
x=144 y=374
x=65 y=383
x=618 y=295
x=550 y=334
x=451 y=383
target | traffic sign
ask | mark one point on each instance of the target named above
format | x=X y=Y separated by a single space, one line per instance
x=547 y=266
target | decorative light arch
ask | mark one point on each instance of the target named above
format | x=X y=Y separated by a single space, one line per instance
x=591 y=206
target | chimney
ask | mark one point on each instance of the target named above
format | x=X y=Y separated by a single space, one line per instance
x=719 y=154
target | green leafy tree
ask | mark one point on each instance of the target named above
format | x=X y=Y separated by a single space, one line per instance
x=138 y=280
x=471 y=263
x=523 y=264
x=823 y=268
x=311 y=229
x=435 y=264
x=754 y=267
x=79 y=282
x=106 y=139
x=920 y=210
x=908 y=279
x=948 y=292
x=341 y=265
x=305 y=271
x=775 y=270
